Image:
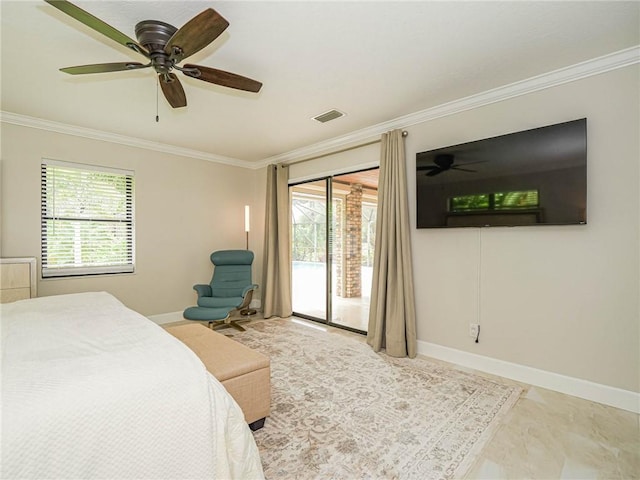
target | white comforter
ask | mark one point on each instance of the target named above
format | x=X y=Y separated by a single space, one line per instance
x=91 y=389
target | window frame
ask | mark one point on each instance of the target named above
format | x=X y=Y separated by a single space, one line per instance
x=491 y=202
x=48 y=213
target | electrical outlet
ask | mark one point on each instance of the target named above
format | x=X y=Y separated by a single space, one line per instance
x=473 y=329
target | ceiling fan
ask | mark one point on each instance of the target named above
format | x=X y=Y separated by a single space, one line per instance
x=164 y=46
x=444 y=162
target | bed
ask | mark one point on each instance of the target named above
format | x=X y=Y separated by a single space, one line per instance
x=92 y=389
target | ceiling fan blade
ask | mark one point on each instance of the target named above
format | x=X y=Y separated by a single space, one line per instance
x=463 y=169
x=471 y=163
x=98 y=25
x=428 y=167
x=220 y=77
x=103 y=68
x=172 y=89
x=196 y=34
x=433 y=173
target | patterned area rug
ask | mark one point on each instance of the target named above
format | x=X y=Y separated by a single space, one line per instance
x=341 y=411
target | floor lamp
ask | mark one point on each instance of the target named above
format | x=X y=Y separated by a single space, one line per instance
x=247 y=224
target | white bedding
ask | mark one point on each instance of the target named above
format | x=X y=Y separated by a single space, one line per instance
x=91 y=389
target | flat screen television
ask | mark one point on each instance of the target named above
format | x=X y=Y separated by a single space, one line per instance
x=533 y=177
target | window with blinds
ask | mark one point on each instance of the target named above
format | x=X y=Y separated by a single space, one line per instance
x=87 y=220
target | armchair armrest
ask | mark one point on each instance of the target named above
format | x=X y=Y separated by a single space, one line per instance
x=247 y=296
x=248 y=289
x=203 y=290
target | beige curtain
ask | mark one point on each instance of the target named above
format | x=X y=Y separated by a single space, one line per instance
x=392 y=315
x=276 y=276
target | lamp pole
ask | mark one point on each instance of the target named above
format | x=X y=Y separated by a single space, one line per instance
x=247 y=223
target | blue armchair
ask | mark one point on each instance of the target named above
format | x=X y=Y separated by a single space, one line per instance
x=229 y=291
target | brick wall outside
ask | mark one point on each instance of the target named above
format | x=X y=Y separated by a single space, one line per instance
x=352 y=254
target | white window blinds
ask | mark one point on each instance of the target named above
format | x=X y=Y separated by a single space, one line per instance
x=87 y=220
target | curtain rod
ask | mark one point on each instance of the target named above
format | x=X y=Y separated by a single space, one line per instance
x=373 y=142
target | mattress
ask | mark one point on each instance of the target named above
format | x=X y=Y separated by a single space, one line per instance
x=92 y=389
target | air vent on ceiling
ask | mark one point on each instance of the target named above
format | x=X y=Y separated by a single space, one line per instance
x=328 y=116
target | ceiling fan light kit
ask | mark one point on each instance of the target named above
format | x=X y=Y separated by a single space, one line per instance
x=164 y=46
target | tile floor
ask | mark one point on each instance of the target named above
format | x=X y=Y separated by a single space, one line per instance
x=549 y=435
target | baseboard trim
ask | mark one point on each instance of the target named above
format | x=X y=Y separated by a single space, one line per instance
x=615 y=397
x=163 y=318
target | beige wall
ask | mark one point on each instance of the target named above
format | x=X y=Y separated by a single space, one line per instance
x=347 y=161
x=560 y=299
x=184 y=210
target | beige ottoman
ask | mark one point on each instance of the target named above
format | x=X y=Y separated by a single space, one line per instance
x=245 y=373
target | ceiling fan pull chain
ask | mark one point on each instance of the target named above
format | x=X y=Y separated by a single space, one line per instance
x=157 y=116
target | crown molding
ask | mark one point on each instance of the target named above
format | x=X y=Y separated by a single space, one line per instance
x=49 y=125
x=596 y=66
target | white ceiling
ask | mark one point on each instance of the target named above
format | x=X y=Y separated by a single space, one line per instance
x=376 y=61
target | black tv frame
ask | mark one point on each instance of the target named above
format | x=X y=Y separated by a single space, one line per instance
x=546 y=164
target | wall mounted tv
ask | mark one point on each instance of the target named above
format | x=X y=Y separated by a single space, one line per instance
x=534 y=177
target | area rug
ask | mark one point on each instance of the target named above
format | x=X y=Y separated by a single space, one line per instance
x=341 y=411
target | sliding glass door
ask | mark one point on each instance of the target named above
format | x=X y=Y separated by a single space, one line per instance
x=332 y=244
x=309 y=249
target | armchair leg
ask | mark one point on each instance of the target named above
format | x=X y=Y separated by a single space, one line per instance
x=218 y=325
x=229 y=322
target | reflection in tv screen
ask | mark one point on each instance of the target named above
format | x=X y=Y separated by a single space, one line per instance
x=534 y=177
